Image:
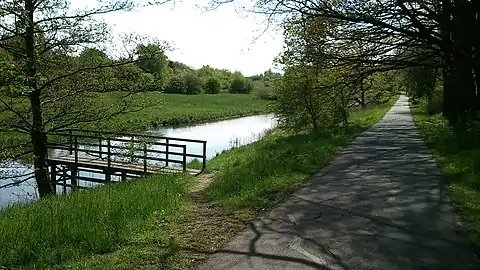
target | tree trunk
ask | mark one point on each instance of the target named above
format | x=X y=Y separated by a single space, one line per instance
x=476 y=59
x=449 y=102
x=362 y=94
x=462 y=61
x=38 y=135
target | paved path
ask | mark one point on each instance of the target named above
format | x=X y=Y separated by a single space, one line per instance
x=381 y=204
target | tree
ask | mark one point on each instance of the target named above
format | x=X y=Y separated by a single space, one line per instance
x=179 y=68
x=212 y=86
x=401 y=34
x=128 y=78
x=193 y=84
x=205 y=72
x=56 y=87
x=225 y=77
x=153 y=60
x=176 y=85
x=240 y=85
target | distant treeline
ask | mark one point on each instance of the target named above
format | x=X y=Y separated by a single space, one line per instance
x=151 y=70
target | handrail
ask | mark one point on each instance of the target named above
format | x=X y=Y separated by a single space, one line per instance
x=130 y=134
x=74 y=147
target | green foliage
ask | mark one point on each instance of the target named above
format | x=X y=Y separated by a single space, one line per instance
x=179 y=68
x=152 y=59
x=206 y=72
x=307 y=98
x=255 y=177
x=130 y=77
x=176 y=85
x=420 y=82
x=212 y=86
x=51 y=231
x=384 y=86
x=94 y=57
x=240 y=85
x=193 y=84
x=262 y=91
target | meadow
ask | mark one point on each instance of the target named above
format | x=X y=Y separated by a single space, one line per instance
x=167 y=110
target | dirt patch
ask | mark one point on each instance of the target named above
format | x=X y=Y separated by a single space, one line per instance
x=200 y=233
x=202 y=181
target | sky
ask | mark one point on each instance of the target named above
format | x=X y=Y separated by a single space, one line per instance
x=222 y=38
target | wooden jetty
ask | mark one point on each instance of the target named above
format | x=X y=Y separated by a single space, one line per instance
x=85 y=156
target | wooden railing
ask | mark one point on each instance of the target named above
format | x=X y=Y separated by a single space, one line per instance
x=129 y=148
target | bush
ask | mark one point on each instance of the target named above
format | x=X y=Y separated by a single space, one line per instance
x=212 y=86
x=241 y=85
x=176 y=85
x=262 y=91
x=434 y=105
x=193 y=84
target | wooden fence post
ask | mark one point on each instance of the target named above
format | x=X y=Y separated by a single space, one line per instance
x=204 y=163
x=184 y=158
x=145 y=157
x=74 y=169
x=108 y=176
x=167 y=141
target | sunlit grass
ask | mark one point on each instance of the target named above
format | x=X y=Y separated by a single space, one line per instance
x=88 y=222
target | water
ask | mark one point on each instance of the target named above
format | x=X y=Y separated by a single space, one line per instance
x=220 y=136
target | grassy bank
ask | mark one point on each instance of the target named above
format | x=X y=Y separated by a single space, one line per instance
x=96 y=221
x=245 y=182
x=174 y=109
x=458 y=155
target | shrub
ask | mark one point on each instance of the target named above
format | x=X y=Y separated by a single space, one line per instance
x=212 y=86
x=241 y=85
x=193 y=84
x=434 y=105
x=262 y=91
x=176 y=85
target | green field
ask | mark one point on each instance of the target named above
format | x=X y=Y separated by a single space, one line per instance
x=458 y=155
x=176 y=109
x=157 y=223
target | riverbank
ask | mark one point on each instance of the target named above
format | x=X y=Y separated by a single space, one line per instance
x=171 y=110
x=240 y=185
x=457 y=154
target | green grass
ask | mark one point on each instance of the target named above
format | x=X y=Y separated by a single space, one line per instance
x=176 y=109
x=256 y=177
x=96 y=221
x=458 y=155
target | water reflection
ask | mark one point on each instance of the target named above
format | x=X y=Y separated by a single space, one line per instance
x=220 y=136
